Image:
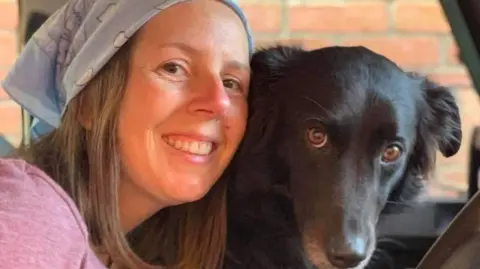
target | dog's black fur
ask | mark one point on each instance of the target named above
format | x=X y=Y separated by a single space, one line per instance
x=284 y=190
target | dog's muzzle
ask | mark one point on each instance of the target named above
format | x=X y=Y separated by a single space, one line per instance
x=347 y=251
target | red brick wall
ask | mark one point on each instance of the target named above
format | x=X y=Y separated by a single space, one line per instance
x=414 y=33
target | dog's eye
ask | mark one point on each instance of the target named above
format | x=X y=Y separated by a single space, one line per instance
x=391 y=153
x=317 y=137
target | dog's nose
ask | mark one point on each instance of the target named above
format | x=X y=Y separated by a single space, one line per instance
x=347 y=253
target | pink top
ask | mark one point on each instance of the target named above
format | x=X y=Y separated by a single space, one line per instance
x=40 y=226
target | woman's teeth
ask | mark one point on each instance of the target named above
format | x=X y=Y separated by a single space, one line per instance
x=193 y=147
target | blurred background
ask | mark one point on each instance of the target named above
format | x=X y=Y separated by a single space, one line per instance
x=414 y=33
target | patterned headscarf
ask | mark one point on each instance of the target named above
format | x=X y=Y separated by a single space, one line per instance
x=72 y=46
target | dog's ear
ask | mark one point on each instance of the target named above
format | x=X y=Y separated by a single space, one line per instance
x=439 y=126
x=269 y=64
x=442 y=118
x=268 y=67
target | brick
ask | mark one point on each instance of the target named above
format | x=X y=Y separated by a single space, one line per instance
x=456 y=162
x=453 y=54
x=436 y=191
x=452 y=79
x=10 y=118
x=419 y=17
x=8 y=15
x=7 y=49
x=263 y=18
x=469 y=103
x=306 y=43
x=410 y=52
x=311 y=44
x=3 y=95
x=456 y=180
x=339 y=18
x=263 y=43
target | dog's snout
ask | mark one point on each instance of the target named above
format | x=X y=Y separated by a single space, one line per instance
x=347 y=253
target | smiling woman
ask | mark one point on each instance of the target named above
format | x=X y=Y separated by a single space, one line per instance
x=141 y=134
x=182 y=90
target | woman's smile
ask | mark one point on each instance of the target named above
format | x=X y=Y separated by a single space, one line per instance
x=197 y=149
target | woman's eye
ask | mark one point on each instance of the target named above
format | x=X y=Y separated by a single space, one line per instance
x=232 y=84
x=173 y=71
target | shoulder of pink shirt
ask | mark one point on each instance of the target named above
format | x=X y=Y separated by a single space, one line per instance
x=40 y=226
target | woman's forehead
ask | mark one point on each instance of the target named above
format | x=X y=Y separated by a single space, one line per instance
x=198 y=24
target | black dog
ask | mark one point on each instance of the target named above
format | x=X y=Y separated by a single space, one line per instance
x=334 y=136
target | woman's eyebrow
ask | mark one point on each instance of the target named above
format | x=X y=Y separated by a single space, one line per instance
x=191 y=50
x=179 y=45
x=238 y=65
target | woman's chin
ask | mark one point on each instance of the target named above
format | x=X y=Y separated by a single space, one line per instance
x=189 y=192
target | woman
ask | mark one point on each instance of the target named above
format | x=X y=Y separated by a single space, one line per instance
x=142 y=135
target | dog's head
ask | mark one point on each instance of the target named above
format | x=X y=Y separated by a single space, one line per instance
x=354 y=131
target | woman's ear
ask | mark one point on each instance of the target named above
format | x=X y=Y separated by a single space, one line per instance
x=85 y=122
x=84 y=115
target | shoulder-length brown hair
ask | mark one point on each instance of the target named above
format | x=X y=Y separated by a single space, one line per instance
x=87 y=165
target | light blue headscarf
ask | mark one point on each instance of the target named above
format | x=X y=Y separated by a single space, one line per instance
x=71 y=47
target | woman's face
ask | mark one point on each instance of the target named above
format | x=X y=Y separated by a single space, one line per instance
x=184 y=111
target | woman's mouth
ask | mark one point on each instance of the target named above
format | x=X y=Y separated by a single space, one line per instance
x=195 y=147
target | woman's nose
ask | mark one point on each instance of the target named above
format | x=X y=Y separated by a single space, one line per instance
x=213 y=99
